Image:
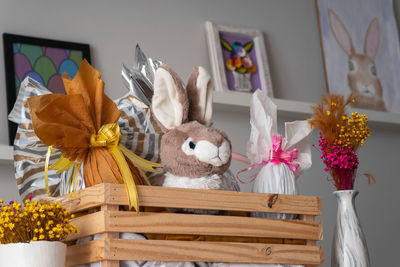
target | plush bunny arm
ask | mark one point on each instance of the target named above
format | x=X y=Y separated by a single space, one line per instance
x=263 y=126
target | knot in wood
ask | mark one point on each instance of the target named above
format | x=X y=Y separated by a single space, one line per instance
x=272 y=200
x=268 y=251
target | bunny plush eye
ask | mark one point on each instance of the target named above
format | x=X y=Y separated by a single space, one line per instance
x=372 y=70
x=188 y=146
x=192 y=145
x=352 y=66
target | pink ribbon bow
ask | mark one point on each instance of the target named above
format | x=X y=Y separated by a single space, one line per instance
x=277 y=156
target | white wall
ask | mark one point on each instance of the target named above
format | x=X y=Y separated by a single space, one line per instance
x=173 y=32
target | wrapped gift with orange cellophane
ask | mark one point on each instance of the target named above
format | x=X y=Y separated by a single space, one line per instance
x=84 y=129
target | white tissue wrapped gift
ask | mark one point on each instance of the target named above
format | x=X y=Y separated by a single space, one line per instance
x=278 y=176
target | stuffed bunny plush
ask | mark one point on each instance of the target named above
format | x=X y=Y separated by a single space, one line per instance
x=362 y=77
x=193 y=154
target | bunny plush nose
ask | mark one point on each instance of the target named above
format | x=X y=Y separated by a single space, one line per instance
x=209 y=153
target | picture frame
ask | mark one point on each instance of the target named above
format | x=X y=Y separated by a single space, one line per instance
x=42 y=59
x=229 y=44
x=361 y=54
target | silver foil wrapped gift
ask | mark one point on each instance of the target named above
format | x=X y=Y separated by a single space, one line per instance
x=139 y=79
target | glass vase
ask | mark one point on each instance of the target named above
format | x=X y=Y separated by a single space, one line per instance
x=349 y=247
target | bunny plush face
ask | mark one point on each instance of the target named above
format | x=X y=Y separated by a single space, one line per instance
x=190 y=148
x=197 y=151
x=362 y=76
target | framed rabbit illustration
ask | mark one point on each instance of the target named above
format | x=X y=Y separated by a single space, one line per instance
x=238 y=58
x=361 y=53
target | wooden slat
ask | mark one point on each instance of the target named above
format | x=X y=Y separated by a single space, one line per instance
x=109 y=235
x=157 y=250
x=172 y=223
x=309 y=218
x=87 y=252
x=90 y=197
x=155 y=196
x=90 y=224
x=109 y=263
x=189 y=224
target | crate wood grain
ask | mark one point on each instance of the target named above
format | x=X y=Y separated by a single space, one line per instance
x=190 y=224
x=98 y=212
x=167 y=250
x=156 y=196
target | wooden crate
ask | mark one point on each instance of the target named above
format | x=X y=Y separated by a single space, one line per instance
x=98 y=210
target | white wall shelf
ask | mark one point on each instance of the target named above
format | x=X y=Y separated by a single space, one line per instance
x=240 y=102
x=6 y=154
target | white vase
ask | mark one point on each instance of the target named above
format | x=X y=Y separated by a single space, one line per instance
x=33 y=254
x=349 y=247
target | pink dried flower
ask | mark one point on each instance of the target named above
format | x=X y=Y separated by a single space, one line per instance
x=341 y=162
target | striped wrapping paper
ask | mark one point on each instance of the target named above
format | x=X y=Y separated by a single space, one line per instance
x=139 y=133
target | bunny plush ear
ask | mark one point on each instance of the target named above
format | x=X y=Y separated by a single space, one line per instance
x=199 y=91
x=340 y=32
x=372 y=37
x=170 y=104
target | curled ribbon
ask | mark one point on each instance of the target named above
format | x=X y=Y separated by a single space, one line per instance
x=108 y=136
x=276 y=155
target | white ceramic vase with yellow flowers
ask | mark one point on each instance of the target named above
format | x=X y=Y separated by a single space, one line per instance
x=340 y=138
x=31 y=235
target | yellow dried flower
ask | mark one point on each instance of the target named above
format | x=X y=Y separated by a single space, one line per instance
x=354 y=131
x=33 y=222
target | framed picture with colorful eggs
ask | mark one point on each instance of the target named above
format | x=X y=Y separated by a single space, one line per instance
x=42 y=59
x=238 y=58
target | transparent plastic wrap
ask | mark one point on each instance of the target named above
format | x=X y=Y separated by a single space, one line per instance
x=30 y=152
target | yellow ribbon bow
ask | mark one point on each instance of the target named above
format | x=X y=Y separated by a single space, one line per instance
x=108 y=136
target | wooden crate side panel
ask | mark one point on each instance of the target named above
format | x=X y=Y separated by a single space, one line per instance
x=309 y=218
x=87 y=252
x=155 y=196
x=173 y=223
x=90 y=224
x=157 y=250
x=88 y=198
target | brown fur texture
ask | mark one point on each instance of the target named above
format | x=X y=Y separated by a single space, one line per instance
x=182 y=97
x=194 y=98
x=173 y=158
x=175 y=161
